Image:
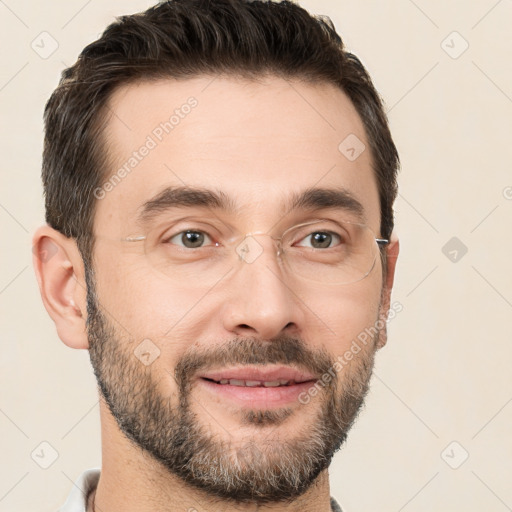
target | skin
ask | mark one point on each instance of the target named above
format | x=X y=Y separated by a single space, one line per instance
x=257 y=142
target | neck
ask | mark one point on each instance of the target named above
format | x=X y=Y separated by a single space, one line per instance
x=131 y=481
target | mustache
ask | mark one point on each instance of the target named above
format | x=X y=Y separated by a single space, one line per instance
x=252 y=351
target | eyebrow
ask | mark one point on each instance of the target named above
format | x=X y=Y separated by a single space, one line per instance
x=311 y=199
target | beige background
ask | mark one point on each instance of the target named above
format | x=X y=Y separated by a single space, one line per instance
x=445 y=373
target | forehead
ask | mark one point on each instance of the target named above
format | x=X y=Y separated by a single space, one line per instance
x=258 y=142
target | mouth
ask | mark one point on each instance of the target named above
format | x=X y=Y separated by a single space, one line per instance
x=263 y=387
x=254 y=383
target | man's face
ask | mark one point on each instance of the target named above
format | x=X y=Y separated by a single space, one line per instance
x=164 y=332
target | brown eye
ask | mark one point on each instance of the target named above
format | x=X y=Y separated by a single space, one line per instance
x=190 y=239
x=322 y=239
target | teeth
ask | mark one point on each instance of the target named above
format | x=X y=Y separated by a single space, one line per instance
x=257 y=383
x=235 y=382
x=271 y=384
x=252 y=383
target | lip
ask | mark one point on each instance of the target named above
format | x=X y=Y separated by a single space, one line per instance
x=267 y=374
x=257 y=397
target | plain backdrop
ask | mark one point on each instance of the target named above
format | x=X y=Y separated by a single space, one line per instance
x=435 y=433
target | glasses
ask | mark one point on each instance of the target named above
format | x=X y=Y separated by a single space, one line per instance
x=323 y=251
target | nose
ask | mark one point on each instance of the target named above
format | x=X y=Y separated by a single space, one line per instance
x=261 y=299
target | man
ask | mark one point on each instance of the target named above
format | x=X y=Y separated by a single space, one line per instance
x=219 y=180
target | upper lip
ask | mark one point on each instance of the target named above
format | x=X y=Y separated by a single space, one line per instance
x=264 y=374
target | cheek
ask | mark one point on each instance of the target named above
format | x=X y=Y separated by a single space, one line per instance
x=143 y=302
x=349 y=311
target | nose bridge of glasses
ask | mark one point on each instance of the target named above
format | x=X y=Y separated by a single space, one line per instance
x=249 y=249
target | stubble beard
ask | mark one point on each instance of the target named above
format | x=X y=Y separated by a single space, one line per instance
x=267 y=468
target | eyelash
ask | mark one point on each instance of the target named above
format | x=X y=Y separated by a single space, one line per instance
x=180 y=233
x=168 y=239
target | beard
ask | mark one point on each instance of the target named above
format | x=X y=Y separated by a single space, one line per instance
x=263 y=468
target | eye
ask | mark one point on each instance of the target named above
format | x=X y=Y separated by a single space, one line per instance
x=321 y=239
x=189 y=239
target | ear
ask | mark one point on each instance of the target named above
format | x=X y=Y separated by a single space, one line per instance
x=392 y=251
x=60 y=274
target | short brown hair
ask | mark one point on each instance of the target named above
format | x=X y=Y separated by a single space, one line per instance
x=188 y=38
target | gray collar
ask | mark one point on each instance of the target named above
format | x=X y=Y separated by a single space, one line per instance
x=334 y=505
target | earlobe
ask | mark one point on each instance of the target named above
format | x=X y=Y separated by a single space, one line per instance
x=392 y=251
x=60 y=275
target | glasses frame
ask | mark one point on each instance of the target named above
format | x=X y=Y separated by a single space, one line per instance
x=235 y=241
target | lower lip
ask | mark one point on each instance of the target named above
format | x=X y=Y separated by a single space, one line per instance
x=260 y=397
